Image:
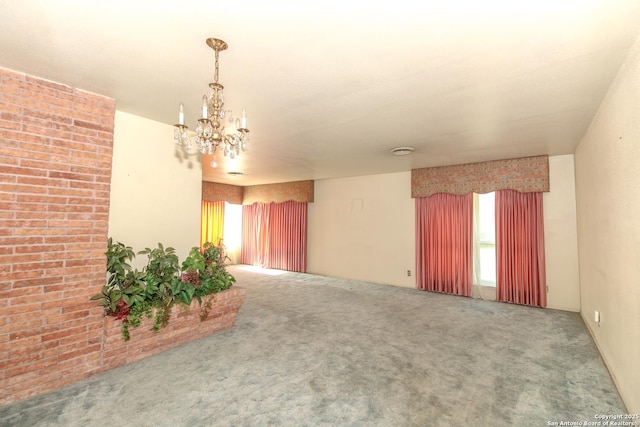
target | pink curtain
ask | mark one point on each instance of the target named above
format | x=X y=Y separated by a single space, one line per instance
x=520 y=265
x=274 y=235
x=444 y=243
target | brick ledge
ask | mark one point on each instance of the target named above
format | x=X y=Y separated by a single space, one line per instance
x=184 y=326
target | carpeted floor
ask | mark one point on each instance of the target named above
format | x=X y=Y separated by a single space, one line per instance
x=314 y=351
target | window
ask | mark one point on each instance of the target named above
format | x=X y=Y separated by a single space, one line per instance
x=232 y=231
x=484 y=239
x=232 y=226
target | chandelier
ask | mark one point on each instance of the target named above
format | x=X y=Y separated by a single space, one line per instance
x=211 y=134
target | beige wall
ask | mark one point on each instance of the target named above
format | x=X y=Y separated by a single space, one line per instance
x=363 y=228
x=560 y=236
x=607 y=163
x=154 y=197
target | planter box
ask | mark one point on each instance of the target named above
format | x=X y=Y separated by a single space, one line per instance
x=184 y=326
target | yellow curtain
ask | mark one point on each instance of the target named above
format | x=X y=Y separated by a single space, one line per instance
x=211 y=222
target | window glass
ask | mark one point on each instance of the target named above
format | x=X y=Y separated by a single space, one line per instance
x=485 y=239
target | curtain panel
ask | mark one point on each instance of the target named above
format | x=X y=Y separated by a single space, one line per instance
x=274 y=235
x=211 y=223
x=444 y=243
x=527 y=174
x=520 y=259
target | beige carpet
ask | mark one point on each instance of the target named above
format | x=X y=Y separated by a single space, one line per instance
x=314 y=351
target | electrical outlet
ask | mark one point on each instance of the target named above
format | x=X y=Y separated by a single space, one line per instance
x=596 y=317
x=409 y=273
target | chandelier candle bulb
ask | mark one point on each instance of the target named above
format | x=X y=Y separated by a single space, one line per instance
x=205 y=114
x=243 y=124
x=181 y=114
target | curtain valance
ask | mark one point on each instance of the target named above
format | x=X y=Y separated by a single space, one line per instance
x=215 y=192
x=526 y=175
x=297 y=191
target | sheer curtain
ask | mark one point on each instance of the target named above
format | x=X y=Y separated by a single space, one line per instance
x=444 y=243
x=274 y=235
x=211 y=222
x=254 y=249
x=520 y=263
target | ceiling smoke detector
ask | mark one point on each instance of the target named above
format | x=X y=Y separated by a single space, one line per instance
x=402 y=151
x=235 y=173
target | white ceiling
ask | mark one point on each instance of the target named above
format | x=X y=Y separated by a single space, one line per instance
x=331 y=86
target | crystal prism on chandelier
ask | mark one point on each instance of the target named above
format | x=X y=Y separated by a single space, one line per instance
x=211 y=134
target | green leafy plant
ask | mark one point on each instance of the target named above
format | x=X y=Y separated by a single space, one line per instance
x=162 y=269
x=164 y=282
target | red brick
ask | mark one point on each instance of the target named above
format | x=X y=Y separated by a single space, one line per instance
x=38 y=231
x=8 y=122
x=87 y=261
x=24 y=308
x=47 y=282
x=88 y=338
x=27 y=332
x=8 y=159
x=64 y=333
x=10 y=383
x=36 y=266
x=14 y=259
x=21 y=170
x=22 y=223
x=69 y=316
x=28 y=323
x=70 y=176
x=41 y=198
x=46 y=116
x=44 y=97
x=31 y=85
x=30 y=367
x=86 y=304
x=17 y=341
x=26 y=299
x=39 y=249
x=76 y=146
x=49 y=166
x=86 y=349
x=10 y=135
x=22 y=351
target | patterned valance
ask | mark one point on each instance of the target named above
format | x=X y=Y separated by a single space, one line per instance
x=214 y=192
x=526 y=175
x=297 y=191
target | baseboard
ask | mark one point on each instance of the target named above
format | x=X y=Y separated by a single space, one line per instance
x=572 y=309
x=585 y=320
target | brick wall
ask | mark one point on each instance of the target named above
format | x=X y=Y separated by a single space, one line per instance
x=184 y=326
x=55 y=171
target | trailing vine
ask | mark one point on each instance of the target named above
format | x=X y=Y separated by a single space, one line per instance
x=205 y=309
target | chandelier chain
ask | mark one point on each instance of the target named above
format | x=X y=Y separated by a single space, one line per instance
x=216 y=70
